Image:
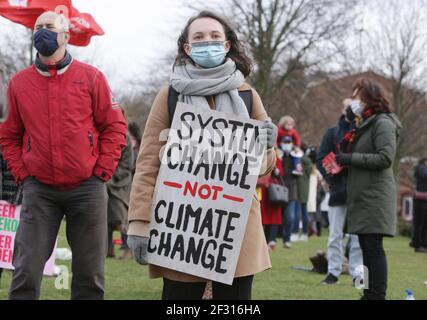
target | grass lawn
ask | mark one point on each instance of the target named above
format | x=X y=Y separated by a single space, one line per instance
x=127 y=280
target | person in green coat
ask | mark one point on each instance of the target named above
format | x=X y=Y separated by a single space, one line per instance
x=369 y=151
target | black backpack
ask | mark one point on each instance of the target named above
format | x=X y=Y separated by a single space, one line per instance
x=246 y=96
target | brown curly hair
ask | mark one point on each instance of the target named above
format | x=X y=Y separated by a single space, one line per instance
x=373 y=95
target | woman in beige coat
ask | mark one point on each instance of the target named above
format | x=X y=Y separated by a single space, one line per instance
x=207 y=46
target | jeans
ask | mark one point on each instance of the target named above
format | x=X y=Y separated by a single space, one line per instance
x=300 y=214
x=43 y=208
x=271 y=231
x=375 y=261
x=337 y=217
x=288 y=220
x=420 y=224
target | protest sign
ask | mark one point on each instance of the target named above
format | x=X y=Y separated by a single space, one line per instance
x=204 y=192
x=9 y=222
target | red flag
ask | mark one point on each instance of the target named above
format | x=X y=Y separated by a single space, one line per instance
x=26 y=12
x=82 y=25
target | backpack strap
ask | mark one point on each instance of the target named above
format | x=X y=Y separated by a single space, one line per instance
x=246 y=96
x=248 y=99
x=172 y=101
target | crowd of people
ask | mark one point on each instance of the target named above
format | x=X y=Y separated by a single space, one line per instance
x=354 y=165
x=77 y=157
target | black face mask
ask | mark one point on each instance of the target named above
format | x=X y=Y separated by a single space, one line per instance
x=46 y=42
x=349 y=114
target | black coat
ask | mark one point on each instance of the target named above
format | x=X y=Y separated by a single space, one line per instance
x=337 y=183
x=421 y=177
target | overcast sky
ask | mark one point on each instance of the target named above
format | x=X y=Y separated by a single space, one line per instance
x=138 y=35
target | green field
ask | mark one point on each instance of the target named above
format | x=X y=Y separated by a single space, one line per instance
x=127 y=280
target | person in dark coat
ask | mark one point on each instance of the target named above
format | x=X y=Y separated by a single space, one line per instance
x=291 y=182
x=369 y=152
x=337 y=213
x=420 y=208
x=118 y=189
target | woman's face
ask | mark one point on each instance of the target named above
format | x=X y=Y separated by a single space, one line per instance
x=356 y=97
x=206 y=30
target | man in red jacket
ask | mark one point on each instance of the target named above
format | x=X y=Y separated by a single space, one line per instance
x=62 y=140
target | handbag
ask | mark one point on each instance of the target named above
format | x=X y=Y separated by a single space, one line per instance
x=420 y=195
x=278 y=194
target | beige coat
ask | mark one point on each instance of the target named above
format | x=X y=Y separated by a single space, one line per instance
x=254 y=255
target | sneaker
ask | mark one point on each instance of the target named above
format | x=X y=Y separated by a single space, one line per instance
x=303 y=238
x=294 y=237
x=330 y=279
x=359 y=282
x=287 y=245
x=272 y=245
x=421 y=250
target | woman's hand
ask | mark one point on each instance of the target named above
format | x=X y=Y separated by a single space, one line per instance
x=268 y=134
x=139 y=246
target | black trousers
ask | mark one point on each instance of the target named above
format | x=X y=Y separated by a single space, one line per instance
x=420 y=224
x=241 y=289
x=375 y=261
x=43 y=208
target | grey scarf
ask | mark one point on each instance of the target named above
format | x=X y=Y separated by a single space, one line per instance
x=194 y=84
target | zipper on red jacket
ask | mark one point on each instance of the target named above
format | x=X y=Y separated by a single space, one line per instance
x=28 y=144
x=90 y=138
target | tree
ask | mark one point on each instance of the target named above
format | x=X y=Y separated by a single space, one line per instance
x=396 y=48
x=288 y=40
x=15 y=55
x=286 y=36
x=15 y=48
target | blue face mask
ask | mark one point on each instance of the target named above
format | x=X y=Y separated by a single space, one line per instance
x=286 y=147
x=46 y=42
x=208 y=54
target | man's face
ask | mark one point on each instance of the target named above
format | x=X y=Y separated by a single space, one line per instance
x=52 y=22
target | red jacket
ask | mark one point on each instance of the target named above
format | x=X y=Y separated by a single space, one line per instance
x=64 y=128
x=271 y=214
x=291 y=133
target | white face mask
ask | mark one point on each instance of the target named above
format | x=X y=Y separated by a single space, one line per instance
x=356 y=107
x=286 y=147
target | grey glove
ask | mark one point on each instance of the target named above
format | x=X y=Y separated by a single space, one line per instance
x=270 y=133
x=139 y=246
